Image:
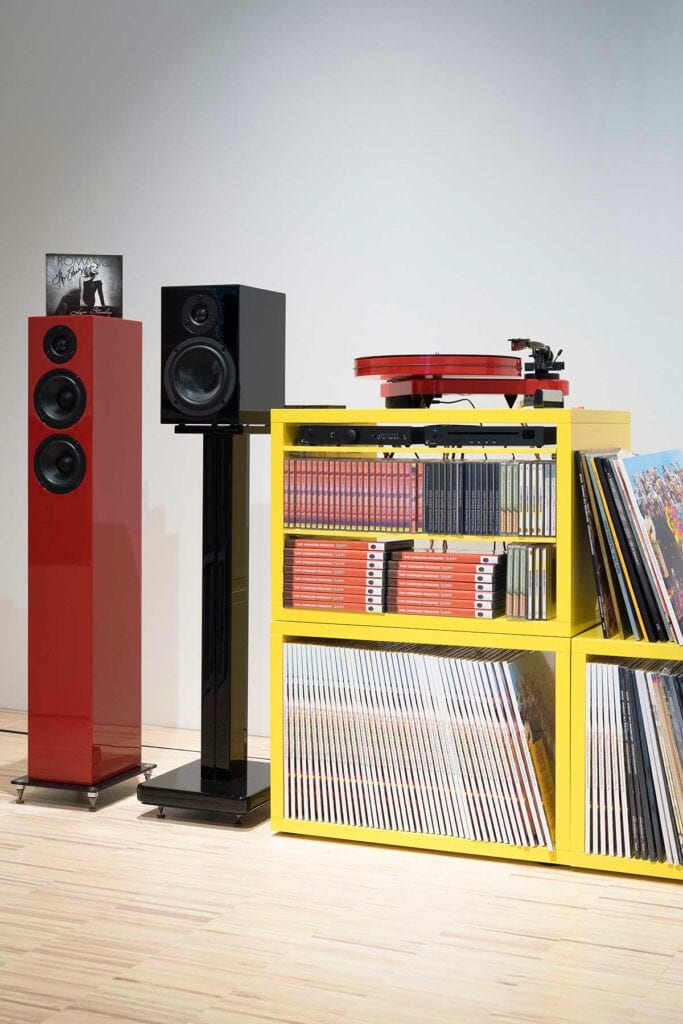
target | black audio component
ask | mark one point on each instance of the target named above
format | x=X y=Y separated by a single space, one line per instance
x=350 y=434
x=222 y=354
x=451 y=435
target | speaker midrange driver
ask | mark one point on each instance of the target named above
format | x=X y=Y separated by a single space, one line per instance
x=200 y=377
x=59 y=398
x=59 y=463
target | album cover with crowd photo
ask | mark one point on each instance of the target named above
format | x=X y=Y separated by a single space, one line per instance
x=634 y=516
x=83 y=284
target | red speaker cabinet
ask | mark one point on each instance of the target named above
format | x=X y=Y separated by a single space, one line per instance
x=84 y=550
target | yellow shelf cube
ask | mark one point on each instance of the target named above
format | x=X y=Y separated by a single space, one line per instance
x=592 y=646
x=571 y=638
x=558 y=647
x=576 y=429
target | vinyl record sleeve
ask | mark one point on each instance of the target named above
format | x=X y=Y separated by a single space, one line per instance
x=424 y=722
x=506 y=810
x=622 y=823
x=342 y=733
x=457 y=732
x=661 y=803
x=360 y=718
x=667 y=751
x=512 y=753
x=328 y=770
x=287 y=732
x=532 y=688
x=610 y=789
x=656 y=483
x=484 y=774
x=384 y=670
x=83 y=284
x=453 y=787
x=387 y=760
x=615 y=558
x=650 y=607
x=608 y=617
x=422 y=794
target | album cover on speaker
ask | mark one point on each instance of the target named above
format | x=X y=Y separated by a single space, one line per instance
x=83 y=284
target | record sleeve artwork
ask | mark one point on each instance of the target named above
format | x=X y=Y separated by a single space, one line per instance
x=83 y=284
x=657 y=484
x=634 y=514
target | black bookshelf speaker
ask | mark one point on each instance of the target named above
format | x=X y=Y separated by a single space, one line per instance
x=222 y=354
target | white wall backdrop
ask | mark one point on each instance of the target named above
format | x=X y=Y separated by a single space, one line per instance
x=418 y=175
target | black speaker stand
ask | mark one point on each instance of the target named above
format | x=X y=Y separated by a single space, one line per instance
x=223 y=779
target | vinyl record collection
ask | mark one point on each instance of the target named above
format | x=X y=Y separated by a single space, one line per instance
x=634 y=761
x=634 y=513
x=452 y=742
x=402 y=495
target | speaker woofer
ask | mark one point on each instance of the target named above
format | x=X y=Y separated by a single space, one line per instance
x=60 y=344
x=200 y=377
x=200 y=313
x=59 y=398
x=59 y=464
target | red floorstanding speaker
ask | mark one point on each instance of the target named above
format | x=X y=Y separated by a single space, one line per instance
x=84 y=548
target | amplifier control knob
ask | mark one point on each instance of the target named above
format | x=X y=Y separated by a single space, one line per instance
x=351 y=435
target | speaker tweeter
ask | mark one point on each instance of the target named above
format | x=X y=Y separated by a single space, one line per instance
x=200 y=313
x=60 y=344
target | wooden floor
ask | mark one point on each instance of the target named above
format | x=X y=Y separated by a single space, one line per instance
x=120 y=917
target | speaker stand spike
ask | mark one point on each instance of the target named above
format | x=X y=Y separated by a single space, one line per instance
x=223 y=779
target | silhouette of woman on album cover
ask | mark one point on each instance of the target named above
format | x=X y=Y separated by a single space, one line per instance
x=91 y=286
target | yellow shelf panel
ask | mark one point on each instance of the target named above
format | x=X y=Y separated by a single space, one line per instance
x=429 y=623
x=625 y=865
x=408 y=630
x=441 y=414
x=592 y=644
x=305 y=531
x=416 y=840
x=361 y=449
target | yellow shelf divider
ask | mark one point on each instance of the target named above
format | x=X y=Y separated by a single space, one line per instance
x=570 y=639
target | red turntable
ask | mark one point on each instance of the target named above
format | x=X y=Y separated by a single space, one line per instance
x=415 y=381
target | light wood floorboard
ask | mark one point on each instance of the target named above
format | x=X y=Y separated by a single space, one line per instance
x=119 y=917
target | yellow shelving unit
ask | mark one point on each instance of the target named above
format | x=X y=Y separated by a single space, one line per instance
x=575 y=599
x=592 y=646
x=576 y=429
x=557 y=647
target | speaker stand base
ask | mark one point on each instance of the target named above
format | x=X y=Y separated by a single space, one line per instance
x=184 y=788
x=92 y=791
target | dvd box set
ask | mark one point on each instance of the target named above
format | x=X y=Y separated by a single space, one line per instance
x=463 y=584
